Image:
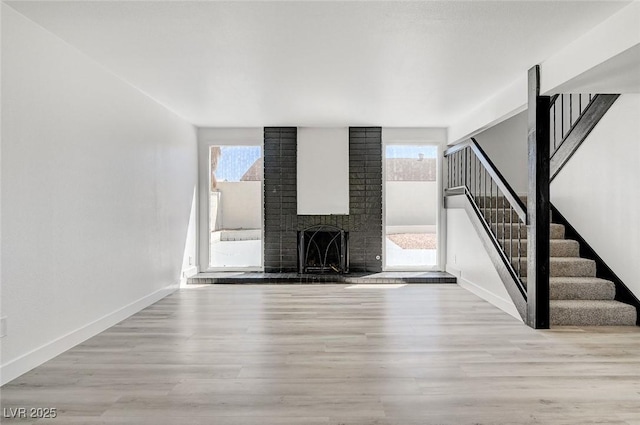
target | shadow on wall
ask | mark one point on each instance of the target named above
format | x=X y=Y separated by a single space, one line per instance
x=189 y=267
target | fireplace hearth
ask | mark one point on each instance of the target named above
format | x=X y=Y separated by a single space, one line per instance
x=323 y=249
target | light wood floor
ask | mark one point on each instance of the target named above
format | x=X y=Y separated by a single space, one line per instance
x=326 y=355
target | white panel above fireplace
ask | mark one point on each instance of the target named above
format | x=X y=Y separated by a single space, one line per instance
x=323 y=171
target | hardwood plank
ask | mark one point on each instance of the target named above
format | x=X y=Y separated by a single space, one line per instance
x=324 y=355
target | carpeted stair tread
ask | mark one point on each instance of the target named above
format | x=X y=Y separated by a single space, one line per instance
x=565 y=266
x=577 y=296
x=591 y=313
x=581 y=288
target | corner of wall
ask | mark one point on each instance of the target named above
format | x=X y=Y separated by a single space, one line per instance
x=34 y=358
x=470 y=263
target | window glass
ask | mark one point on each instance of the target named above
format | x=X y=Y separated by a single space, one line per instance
x=235 y=207
x=411 y=204
x=236 y=163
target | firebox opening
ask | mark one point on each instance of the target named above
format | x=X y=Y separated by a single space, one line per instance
x=323 y=249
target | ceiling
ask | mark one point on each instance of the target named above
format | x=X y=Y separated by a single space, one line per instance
x=319 y=63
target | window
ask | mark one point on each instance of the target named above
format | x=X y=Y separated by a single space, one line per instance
x=235 y=207
x=411 y=204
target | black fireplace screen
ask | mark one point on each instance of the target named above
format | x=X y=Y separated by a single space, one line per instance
x=323 y=249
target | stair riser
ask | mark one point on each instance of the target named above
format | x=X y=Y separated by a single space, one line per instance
x=564 y=269
x=564 y=248
x=500 y=215
x=623 y=316
x=557 y=231
x=582 y=291
x=493 y=201
x=558 y=247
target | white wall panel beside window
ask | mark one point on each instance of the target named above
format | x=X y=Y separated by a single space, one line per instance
x=230 y=135
x=323 y=171
x=420 y=135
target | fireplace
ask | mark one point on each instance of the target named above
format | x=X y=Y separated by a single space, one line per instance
x=323 y=249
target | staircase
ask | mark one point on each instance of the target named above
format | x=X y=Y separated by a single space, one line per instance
x=577 y=296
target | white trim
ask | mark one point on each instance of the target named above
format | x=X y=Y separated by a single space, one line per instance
x=48 y=351
x=190 y=271
x=503 y=304
x=441 y=235
x=384 y=202
x=187 y=273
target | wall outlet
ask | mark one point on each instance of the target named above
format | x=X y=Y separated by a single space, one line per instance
x=190 y=260
x=3 y=327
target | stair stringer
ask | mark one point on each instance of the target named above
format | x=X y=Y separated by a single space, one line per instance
x=511 y=283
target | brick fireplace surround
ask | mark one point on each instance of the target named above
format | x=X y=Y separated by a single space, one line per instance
x=281 y=220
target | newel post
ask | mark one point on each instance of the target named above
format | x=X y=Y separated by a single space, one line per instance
x=538 y=207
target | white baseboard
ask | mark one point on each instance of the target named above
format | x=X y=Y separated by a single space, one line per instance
x=36 y=357
x=186 y=274
x=452 y=270
x=504 y=305
x=191 y=271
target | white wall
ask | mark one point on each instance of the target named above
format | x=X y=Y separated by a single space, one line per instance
x=565 y=71
x=190 y=256
x=2 y=318
x=241 y=204
x=502 y=105
x=323 y=171
x=506 y=145
x=610 y=38
x=468 y=260
x=411 y=203
x=598 y=190
x=97 y=194
x=401 y=135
